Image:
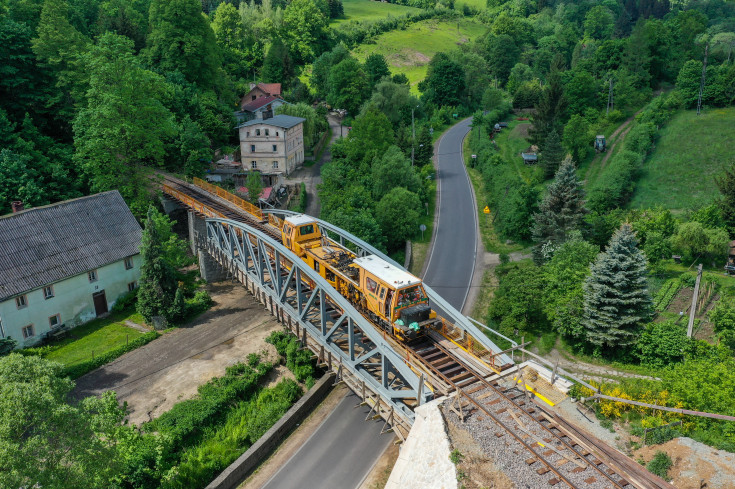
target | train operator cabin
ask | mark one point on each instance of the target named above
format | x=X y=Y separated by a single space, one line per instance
x=65 y=264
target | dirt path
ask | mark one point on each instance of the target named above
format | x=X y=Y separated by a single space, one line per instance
x=154 y=377
x=589 y=371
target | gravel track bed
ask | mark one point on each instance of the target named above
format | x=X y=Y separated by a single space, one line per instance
x=510 y=456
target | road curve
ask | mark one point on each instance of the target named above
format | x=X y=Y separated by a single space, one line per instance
x=339 y=454
x=451 y=261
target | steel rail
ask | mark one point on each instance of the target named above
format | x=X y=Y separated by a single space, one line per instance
x=497 y=420
x=502 y=394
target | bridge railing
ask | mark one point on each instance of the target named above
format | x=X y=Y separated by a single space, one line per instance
x=234 y=199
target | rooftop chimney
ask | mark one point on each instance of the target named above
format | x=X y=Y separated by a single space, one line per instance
x=17 y=205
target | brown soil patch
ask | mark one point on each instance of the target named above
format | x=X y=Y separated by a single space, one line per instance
x=522 y=130
x=479 y=471
x=682 y=301
x=694 y=463
x=408 y=57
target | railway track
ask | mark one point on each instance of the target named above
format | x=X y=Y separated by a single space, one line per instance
x=558 y=456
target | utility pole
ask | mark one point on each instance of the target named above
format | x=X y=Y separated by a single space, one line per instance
x=701 y=83
x=413 y=136
x=693 y=309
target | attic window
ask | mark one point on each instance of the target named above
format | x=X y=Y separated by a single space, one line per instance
x=254 y=97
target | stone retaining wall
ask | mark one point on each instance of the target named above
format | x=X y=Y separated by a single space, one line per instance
x=236 y=472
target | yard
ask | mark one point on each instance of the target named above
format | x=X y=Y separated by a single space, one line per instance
x=690 y=152
x=409 y=51
x=368 y=10
x=96 y=338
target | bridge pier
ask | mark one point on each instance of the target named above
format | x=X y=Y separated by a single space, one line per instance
x=209 y=268
x=197 y=227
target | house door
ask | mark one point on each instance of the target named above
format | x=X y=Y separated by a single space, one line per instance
x=100 y=302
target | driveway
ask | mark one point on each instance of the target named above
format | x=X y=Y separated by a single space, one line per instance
x=311 y=176
x=169 y=369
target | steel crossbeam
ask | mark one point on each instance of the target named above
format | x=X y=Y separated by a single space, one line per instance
x=354 y=342
x=447 y=310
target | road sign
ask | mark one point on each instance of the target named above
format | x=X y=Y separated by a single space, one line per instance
x=474 y=157
x=422 y=227
x=486 y=210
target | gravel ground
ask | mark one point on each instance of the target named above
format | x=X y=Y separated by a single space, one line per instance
x=588 y=422
x=510 y=456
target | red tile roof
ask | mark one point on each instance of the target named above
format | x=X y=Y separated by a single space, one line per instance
x=270 y=88
x=258 y=103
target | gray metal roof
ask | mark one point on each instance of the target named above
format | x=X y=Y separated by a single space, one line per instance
x=281 y=120
x=43 y=245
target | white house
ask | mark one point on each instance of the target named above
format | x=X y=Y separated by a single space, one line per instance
x=65 y=263
x=272 y=146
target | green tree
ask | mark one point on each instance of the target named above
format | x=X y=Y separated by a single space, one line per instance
x=46 y=442
x=157 y=277
x=322 y=67
x=277 y=67
x=127 y=18
x=178 y=307
x=515 y=212
x=394 y=170
x=551 y=108
x=124 y=126
x=58 y=48
x=502 y=53
x=173 y=249
x=518 y=303
x=616 y=298
x=581 y=90
x=394 y=100
x=195 y=148
x=564 y=276
x=520 y=73
x=694 y=241
x=241 y=50
x=18 y=181
x=561 y=211
x=304 y=28
x=445 y=82
x=181 y=39
x=371 y=135
x=552 y=154
x=376 y=68
x=598 y=23
x=662 y=343
x=314 y=124
x=254 y=184
x=360 y=222
x=398 y=215
x=726 y=184
x=577 y=139
x=348 y=85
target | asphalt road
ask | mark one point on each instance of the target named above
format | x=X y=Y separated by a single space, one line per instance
x=338 y=455
x=452 y=259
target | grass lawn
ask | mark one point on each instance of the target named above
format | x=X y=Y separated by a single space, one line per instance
x=690 y=152
x=361 y=10
x=478 y=4
x=511 y=142
x=409 y=51
x=98 y=336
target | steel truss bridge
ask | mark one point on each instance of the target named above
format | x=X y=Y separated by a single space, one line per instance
x=377 y=368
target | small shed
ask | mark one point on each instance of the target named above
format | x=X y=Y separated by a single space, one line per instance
x=730 y=265
x=530 y=155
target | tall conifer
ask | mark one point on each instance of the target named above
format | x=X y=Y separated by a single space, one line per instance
x=552 y=106
x=560 y=212
x=157 y=277
x=616 y=298
x=552 y=154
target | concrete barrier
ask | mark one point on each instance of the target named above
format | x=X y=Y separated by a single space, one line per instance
x=233 y=475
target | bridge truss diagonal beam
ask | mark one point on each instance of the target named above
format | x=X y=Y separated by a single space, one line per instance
x=363 y=248
x=329 y=318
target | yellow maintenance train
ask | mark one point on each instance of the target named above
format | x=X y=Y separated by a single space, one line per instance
x=390 y=297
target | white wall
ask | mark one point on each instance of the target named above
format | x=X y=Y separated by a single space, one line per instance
x=72 y=300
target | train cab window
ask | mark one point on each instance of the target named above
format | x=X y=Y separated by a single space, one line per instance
x=410 y=295
x=316 y=266
x=308 y=229
x=371 y=284
x=329 y=274
x=382 y=293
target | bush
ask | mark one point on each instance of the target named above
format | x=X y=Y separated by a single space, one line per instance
x=125 y=301
x=660 y=465
x=662 y=343
x=297 y=361
x=198 y=304
x=76 y=371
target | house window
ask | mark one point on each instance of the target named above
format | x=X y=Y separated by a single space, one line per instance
x=128 y=263
x=254 y=165
x=254 y=97
x=276 y=133
x=275 y=164
x=48 y=292
x=21 y=301
x=248 y=134
x=275 y=148
x=28 y=331
x=54 y=320
x=92 y=275
x=132 y=286
x=257 y=132
x=267 y=131
x=252 y=148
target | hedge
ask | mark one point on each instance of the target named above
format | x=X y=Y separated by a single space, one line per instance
x=76 y=371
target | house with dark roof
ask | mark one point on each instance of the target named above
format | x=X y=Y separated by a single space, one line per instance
x=272 y=146
x=261 y=108
x=260 y=90
x=64 y=264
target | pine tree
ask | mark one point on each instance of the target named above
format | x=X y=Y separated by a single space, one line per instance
x=560 y=212
x=616 y=298
x=726 y=183
x=552 y=106
x=552 y=154
x=157 y=277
